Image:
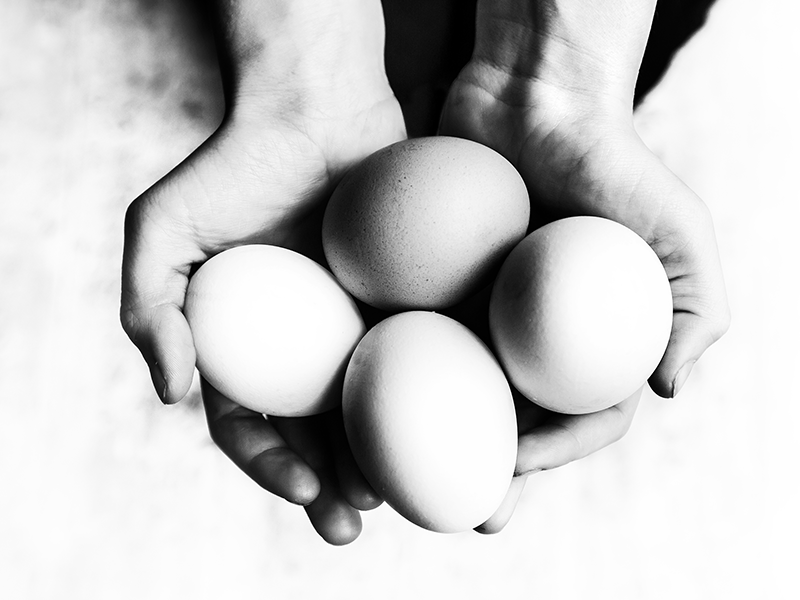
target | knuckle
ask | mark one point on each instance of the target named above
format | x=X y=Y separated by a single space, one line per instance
x=623 y=429
x=128 y=321
x=716 y=324
x=132 y=324
x=216 y=436
x=623 y=424
x=722 y=323
x=134 y=217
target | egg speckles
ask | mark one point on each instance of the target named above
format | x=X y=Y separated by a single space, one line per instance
x=424 y=223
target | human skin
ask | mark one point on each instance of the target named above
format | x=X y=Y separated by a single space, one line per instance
x=550 y=85
x=306 y=98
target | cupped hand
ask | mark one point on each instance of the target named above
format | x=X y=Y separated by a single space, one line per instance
x=305 y=101
x=305 y=460
x=550 y=86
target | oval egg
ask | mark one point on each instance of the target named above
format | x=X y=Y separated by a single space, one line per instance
x=424 y=223
x=273 y=330
x=430 y=420
x=580 y=314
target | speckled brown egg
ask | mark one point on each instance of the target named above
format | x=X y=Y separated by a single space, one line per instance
x=424 y=223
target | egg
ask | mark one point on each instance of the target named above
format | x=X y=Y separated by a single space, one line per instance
x=430 y=419
x=424 y=223
x=580 y=314
x=273 y=330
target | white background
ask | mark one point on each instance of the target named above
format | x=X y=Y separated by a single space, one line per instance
x=104 y=493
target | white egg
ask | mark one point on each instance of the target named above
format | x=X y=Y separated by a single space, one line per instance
x=580 y=314
x=273 y=330
x=430 y=420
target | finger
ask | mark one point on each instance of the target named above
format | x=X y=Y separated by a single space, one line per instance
x=701 y=314
x=163 y=337
x=157 y=258
x=566 y=438
x=352 y=483
x=502 y=515
x=331 y=515
x=253 y=444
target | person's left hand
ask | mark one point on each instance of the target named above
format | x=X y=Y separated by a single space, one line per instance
x=550 y=86
x=548 y=440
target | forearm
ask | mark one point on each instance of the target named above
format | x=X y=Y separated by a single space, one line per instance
x=277 y=49
x=590 y=47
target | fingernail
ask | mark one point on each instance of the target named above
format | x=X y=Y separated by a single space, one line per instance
x=159 y=383
x=681 y=377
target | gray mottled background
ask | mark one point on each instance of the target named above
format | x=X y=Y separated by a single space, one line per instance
x=104 y=493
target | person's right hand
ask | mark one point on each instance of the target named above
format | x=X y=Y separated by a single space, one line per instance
x=307 y=97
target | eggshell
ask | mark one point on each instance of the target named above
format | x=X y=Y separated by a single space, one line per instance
x=430 y=420
x=424 y=223
x=273 y=330
x=580 y=314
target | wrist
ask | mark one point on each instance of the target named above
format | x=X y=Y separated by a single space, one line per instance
x=281 y=57
x=580 y=53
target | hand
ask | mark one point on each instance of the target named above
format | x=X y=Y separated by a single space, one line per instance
x=307 y=97
x=305 y=460
x=550 y=86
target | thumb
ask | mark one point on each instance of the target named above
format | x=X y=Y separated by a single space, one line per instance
x=157 y=259
x=701 y=315
x=692 y=334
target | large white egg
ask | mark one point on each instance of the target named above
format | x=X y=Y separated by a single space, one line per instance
x=424 y=223
x=273 y=330
x=430 y=420
x=580 y=314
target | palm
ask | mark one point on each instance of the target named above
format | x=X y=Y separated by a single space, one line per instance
x=252 y=183
x=272 y=192
x=266 y=184
x=577 y=164
x=577 y=161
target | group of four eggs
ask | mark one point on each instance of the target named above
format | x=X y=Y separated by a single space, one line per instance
x=579 y=315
